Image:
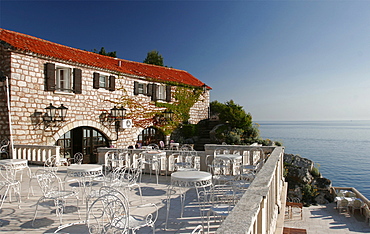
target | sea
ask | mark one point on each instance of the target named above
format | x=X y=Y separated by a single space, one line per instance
x=340 y=149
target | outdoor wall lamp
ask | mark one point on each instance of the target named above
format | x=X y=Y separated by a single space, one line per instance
x=55 y=114
x=163 y=118
x=167 y=114
x=115 y=116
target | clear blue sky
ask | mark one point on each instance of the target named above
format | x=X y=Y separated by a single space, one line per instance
x=280 y=60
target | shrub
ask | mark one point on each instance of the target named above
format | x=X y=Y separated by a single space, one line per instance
x=315 y=172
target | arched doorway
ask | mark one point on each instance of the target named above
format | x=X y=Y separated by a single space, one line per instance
x=82 y=139
x=150 y=135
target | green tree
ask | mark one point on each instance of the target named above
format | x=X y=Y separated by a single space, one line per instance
x=103 y=52
x=238 y=125
x=153 y=57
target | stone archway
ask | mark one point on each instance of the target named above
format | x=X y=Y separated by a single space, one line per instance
x=88 y=123
x=84 y=137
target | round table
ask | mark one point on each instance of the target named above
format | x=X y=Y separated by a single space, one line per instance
x=187 y=179
x=15 y=165
x=84 y=173
x=229 y=156
x=84 y=170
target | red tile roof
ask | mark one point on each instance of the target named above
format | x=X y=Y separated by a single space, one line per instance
x=39 y=46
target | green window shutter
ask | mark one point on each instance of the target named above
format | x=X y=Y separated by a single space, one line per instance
x=49 y=77
x=96 y=80
x=77 y=81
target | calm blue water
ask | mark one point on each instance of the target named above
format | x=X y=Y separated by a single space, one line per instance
x=341 y=148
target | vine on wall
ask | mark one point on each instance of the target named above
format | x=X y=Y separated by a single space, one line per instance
x=185 y=98
x=145 y=114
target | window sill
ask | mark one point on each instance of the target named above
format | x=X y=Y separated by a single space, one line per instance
x=64 y=93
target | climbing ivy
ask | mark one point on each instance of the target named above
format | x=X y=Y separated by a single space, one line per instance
x=146 y=114
x=185 y=98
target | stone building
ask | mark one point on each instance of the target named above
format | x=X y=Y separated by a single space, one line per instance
x=44 y=80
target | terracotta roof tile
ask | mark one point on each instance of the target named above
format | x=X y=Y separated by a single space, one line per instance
x=39 y=46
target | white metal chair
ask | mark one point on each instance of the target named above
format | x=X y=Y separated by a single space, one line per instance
x=187 y=163
x=108 y=214
x=126 y=218
x=51 y=187
x=50 y=164
x=367 y=214
x=153 y=163
x=197 y=230
x=4 y=145
x=114 y=160
x=357 y=205
x=8 y=183
x=78 y=158
x=342 y=205
x=127 y=178
x=186 y=147
x=221 y=170
x=222 y=203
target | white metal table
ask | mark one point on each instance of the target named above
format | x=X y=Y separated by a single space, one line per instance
x=229 y=156
x=15 y=165
x=187 y=179
x=235 y=159
x=84 y=173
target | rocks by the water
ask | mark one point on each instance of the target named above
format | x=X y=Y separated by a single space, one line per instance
x=305 y=181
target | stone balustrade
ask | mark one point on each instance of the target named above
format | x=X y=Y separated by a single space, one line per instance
x=35 y=154
x=262 y=205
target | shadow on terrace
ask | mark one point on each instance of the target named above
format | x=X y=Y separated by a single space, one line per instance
x=255 y=209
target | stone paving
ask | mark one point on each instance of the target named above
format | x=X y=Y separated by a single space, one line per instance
x=14 y=220
x=325 y=219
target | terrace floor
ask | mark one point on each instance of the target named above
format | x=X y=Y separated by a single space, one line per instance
x=325 y=219
x=14 y=220
x=316 y=219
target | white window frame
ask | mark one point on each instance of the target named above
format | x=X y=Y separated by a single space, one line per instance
x=103 y=81
x=63 y=84
x=161 y=92
x=140 y=88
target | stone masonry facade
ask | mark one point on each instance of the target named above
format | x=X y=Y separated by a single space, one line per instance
x=26 y=72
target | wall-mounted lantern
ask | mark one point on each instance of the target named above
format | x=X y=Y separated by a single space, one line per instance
x=55 y=114
x=117 y=113
x=115 y=116
x=168 y=114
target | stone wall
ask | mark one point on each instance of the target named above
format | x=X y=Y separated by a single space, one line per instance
x=5 y=68
x=28 y=98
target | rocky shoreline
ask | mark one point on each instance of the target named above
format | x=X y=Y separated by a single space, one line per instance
x=305 y=181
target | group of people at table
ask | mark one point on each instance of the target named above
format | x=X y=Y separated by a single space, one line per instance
x=222 y=168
